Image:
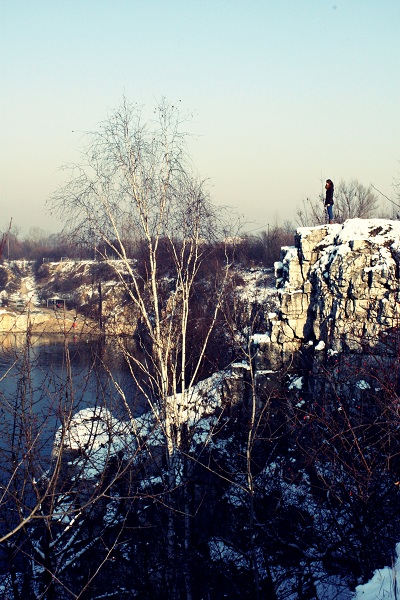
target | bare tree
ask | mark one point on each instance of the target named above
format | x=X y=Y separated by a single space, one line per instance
x=136 y=175
x=355 y=200
x=4 y=239
x=135 y=182
x=352 y=200
x=59 y=509
x=394 y=205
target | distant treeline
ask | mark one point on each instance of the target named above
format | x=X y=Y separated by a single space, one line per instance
x=261 y=249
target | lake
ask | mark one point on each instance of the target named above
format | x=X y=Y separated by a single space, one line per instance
x=43 y=381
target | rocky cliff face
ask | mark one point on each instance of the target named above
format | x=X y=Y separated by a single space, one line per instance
x=339 y=293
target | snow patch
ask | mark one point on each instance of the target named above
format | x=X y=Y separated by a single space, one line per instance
x=384 y=585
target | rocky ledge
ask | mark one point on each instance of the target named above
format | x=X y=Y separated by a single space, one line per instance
x=339 y=293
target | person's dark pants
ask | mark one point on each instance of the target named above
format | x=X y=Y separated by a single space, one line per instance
x=329 y=210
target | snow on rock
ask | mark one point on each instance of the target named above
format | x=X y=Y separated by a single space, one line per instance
x=339 y=284
x=296 y=383
x=261 y=338
x=258 y=285
x=96 y=436
x=30 y=291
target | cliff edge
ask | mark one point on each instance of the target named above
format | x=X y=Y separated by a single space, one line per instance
x=339 y=292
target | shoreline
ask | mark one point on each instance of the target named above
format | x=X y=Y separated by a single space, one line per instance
x=46 y=321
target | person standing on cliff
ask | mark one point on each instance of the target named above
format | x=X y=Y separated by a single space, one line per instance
x=329 y=199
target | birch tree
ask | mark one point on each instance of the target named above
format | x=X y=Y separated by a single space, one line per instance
x=135 y=184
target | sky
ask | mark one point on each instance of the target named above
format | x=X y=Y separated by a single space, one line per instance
x=284 y=94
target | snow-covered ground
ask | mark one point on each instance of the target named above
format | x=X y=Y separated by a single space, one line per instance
x=259 y=285
x=103 y=436
x=29 y=291
x=384 y=585
x=28 y=294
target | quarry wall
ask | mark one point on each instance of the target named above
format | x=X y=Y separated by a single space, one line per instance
x=339 y=294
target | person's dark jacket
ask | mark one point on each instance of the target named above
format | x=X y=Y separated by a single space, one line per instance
x=329 y=196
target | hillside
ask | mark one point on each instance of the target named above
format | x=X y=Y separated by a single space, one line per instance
x=89 y=290
x=84 y=288
x=284 y=480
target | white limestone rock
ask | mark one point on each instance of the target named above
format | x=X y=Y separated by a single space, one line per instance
x=339 y=284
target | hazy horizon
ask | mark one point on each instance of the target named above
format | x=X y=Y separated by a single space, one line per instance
x=284 y=94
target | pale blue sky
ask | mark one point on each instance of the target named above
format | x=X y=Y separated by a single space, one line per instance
x=284 y=92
